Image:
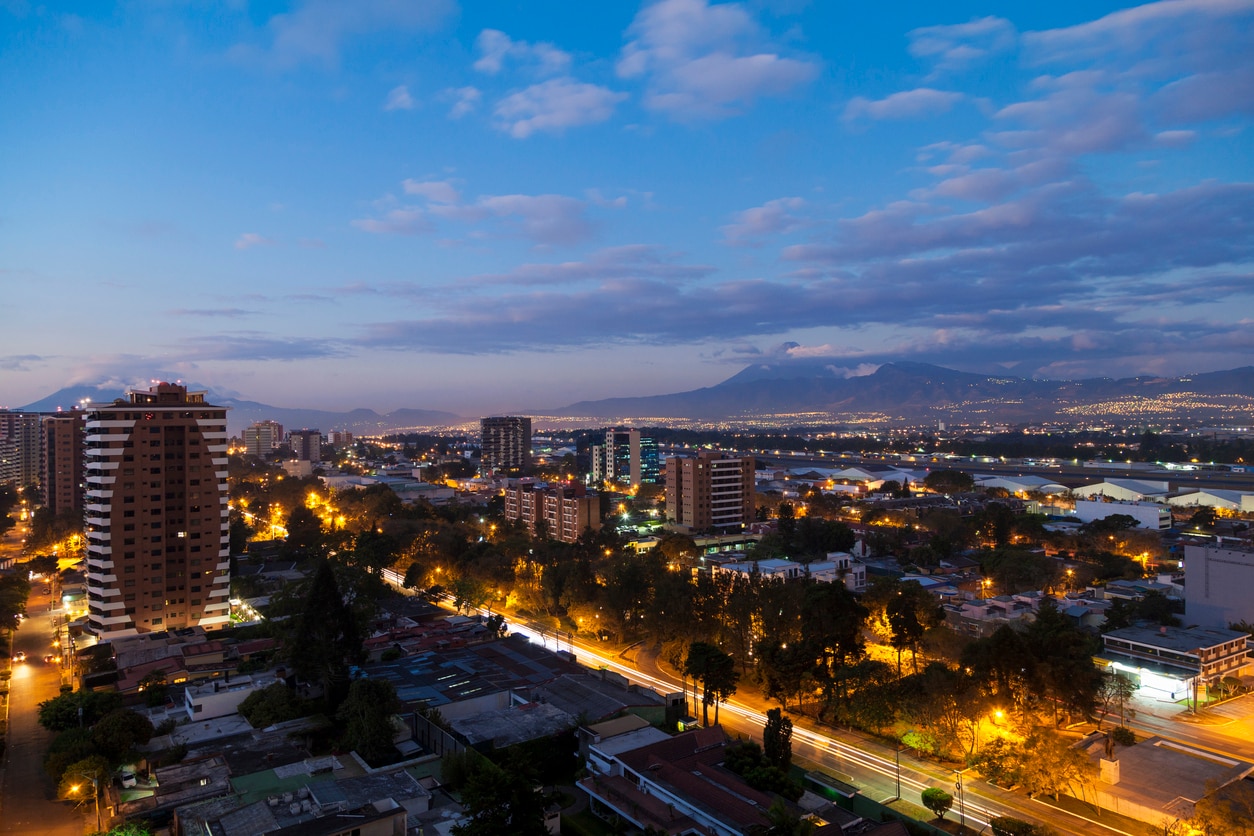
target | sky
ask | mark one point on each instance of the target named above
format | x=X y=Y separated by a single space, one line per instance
x=493 y=206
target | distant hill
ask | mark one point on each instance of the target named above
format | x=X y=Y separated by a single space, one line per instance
x=913 y=392
x=243 y=413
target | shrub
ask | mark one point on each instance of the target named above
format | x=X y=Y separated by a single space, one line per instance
x=938 y=801
x=1123 y=735
x=1009 y=826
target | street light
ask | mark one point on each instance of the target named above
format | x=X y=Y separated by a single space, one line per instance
x=95 y=794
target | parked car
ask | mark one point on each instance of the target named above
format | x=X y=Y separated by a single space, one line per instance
x=127 y=777
x=20 y=656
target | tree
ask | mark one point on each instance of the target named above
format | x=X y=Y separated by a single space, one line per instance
x=782 y=821
x=273 y=704
x=910 y=613
x=716 y=672
x=938 y=801
x=367 y=718
x=1113 y=692
x=777 y=740
x=501 y=800
x=76 y=709
x=949 y=481
x=1226 y=811
x=116 y=734
x=304 y=530
x=326 y=637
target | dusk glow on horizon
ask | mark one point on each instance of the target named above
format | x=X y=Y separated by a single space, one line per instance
x=489 y=207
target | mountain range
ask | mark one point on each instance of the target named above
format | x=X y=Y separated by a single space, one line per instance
x=914 y=392
x=894 y=393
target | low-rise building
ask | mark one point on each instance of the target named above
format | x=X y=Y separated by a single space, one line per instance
x=1149 y=515
x=1175 y=663
x=222 y=697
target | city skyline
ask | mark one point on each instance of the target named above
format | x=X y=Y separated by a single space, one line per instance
x=480 y=209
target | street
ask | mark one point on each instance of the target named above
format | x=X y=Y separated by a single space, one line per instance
x=27 y=795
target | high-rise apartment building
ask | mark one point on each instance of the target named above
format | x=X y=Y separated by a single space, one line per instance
x=505 y=444
x=306 y=445
x=627 y=457
x=567 y=510
x=341 y=438
x=158 y=554
x=263 y=438
x=19 y=448
x=710 y=492
x=61 y=472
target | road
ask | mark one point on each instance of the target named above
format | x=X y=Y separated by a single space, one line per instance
x=27 y=796
x=869 y=764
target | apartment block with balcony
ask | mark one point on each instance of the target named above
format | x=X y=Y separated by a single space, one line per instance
x=710 y=492
x=158 y=554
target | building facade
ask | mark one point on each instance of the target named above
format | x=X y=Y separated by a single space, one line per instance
x=567 y=510
x=505 y=444
x=627 y=457
x=1218 y=582
x=158 y=554
x=1175 y=662
x=306 y=445
x=61 y=469
x=19 y=448
x=263 y=438
x=710 y=492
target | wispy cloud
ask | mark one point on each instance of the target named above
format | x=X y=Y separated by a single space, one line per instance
x=553 y=106
x=316 y=30
x=21 y=362
x=496 y=48
x=956 y=47
x=465 y=101
x=253 y=239
x=701 y=61
x=908 y=104
x=775 y=217
x=399 y=99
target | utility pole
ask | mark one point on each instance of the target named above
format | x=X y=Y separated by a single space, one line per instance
x=962 y=812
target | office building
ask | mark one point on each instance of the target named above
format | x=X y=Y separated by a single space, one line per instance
x=627 y=457
x=61 y=470
x=19 y=448
x=567 y=510
x=306 y=445
x=505 y=444
x=156 y=513
x=1175 y=663
x=263 y=438
x=710 y=492
x=341 y=438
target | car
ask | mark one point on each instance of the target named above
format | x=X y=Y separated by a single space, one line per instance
x=127 y=778
x=47 y=590
x=20 y=656
x=52 y=658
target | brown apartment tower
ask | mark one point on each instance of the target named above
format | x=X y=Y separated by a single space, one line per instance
x=61 y=471
x=710 y=492
x=158 y=555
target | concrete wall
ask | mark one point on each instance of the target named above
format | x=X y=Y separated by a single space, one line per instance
x=1217 y=586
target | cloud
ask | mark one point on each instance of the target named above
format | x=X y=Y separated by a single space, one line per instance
x=908 y=104
x=545 y=218
x=316 y=30
x=399 y=99
x=437 y=191
x=631 y=261
x=253 y=239
x=255 y=346
x=21 y=362
x=702 y=61
x=956 y=47
x=775 y=217
x=554 y=106
x=495 y=47
x=465 y=100
x=230 y=313
x=404 y=221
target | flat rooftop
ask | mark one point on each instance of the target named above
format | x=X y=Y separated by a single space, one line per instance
x=1179 y=639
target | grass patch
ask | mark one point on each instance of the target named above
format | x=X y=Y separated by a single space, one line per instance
x=585 y=824
x=1107 y=817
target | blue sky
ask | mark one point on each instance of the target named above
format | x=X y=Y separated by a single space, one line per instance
x=506 y=205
